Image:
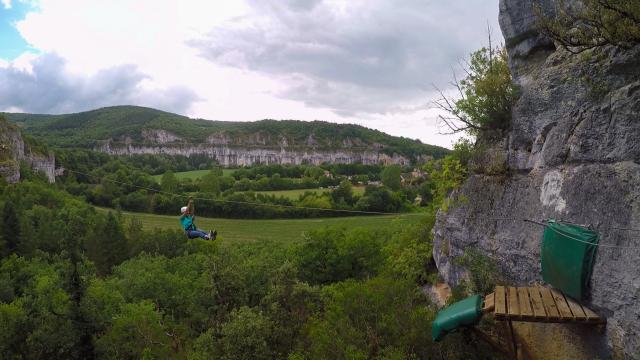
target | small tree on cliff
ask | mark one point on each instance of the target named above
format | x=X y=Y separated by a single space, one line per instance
x=592 y=23
x=485 y=96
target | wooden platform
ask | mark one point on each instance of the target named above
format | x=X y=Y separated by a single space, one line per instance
x=537 y=304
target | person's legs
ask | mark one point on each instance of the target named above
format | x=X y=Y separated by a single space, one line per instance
x=192 y=234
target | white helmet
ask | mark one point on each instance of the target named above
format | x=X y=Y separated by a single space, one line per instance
x=183 y=209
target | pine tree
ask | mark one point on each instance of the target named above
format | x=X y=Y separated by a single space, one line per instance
x=108 y=246
x=10 y=227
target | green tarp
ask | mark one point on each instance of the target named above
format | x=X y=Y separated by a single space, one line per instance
x=465 y=312
x=567 y=256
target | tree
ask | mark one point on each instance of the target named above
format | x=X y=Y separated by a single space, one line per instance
x=137 y=331
x=210 y=183
x=391 y=177
x=595 y=23
x=485 y=96
x=343 y=193
x=371 y=319
x=10 y=227
x=246 y=335
x=169 y=182
x=107 y=244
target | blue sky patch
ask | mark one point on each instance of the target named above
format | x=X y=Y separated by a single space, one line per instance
x=11 y=43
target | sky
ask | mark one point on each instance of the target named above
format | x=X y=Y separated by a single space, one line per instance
x=369 y=62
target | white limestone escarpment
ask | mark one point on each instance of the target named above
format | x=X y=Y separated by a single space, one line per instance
x=256 y=149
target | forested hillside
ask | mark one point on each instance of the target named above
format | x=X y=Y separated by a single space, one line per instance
x=144 y=125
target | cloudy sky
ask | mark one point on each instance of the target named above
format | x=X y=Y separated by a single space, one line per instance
x=370 y=62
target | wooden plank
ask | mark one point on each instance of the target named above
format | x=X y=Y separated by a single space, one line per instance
x=512 y=302
x=561 y=303
x=576 y=309
x=592 y=316
x=549 y=304
x=524 y=303
x=536 y=303
x=500 y=301
x=489 y=303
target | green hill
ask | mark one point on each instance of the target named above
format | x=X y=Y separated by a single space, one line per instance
x=132 y=123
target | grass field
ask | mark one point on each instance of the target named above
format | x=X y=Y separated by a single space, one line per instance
x=295 y=194
x=194 y=174
x=232 y=230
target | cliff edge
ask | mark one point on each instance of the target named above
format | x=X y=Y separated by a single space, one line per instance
x=572 y=153
x=14 y=149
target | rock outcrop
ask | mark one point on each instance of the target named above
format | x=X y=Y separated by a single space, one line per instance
x=573 y=153
x=255 y=150
x=14 y=150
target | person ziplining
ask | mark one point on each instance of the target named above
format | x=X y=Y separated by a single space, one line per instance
x=187 y=218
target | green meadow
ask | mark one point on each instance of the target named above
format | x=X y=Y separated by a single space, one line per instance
x=287 y=230
x=194 y=174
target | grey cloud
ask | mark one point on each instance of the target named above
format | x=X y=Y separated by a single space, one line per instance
x=371 y=59
x=49 y=88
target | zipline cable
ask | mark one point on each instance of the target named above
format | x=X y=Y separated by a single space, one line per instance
x=357 y=211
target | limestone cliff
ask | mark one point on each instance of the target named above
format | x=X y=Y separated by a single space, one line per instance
x=256 y=148
x=248 y=155
x=13 y=150
x=573 y=153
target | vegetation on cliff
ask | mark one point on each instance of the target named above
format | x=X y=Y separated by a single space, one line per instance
x=595 y=23
x=485 y=95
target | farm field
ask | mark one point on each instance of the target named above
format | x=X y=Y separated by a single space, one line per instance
x=295 y=194
x=289 y=230
x=194 y=174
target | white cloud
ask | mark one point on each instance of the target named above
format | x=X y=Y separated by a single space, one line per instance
x=6 y=4
x=46 y=86
x=368 y=62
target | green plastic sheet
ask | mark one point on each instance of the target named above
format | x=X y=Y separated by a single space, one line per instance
x=568 y=253
x=464 y=312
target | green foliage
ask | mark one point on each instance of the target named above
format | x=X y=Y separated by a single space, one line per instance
x=210 y=183
x=246 y=335
x=409 y=253
x=391 y=177
x=594 y=24
x=343 y=194
x=482 y=269
x=446 y=175
x=116 y=183
x=137 y=330
x=380 y=199
x=107 y=245
x=370 y=319
x=169 y=182
x=9 y=228
x=487 y=94
x=339 y=293
x=335 y=254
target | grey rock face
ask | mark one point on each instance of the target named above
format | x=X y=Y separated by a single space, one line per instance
x=231 y=156
x=11 y=143
x=573 y=153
